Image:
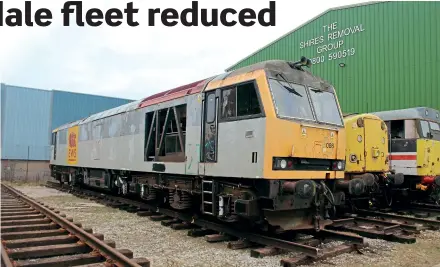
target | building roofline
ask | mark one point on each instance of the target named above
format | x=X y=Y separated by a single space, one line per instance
x=65 y=91
x=88 y=94
x=302 y=25
x=25 y=87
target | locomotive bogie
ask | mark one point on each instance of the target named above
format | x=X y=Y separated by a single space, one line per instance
x=259 y=201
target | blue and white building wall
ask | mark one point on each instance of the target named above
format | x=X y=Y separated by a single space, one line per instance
x=29 y=115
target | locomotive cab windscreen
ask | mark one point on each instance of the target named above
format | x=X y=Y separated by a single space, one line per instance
x=429 y=130
x=297 y=101
x=305 y=136
x=414 y=129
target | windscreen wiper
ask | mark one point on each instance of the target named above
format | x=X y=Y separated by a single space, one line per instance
x=317 y=90
x=290 y=88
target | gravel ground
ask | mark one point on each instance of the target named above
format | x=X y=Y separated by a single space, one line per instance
x=166 y=247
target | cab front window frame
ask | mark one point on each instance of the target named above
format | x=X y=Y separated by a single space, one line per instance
x=314 y=117
x=426 y=131
x=335 y=102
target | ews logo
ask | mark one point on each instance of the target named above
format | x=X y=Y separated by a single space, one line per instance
x=72 y=145
x=72 y=140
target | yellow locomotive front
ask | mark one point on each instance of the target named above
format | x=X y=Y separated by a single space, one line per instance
x=415 y=151
x=367 y=144
x=300 y=174
x=304 y=149
x=367 y=160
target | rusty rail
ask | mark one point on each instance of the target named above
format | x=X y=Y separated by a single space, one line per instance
x=112 y=255
x=375 y=229
x=6 y=262
x=432 y=207
x=404 y=219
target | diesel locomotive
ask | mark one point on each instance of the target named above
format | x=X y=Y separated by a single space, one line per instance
x=397 y=157
x=367 y=159
x=263 y=144
x=414 y=146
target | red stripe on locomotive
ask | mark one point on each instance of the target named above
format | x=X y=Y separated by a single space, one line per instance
x=403 y=157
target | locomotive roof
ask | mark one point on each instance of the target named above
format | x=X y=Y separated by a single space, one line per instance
x=107 y=113
x=67 y=125
x=275 y=67
x=110 y=112
x=174 y=93
x=272 y=67
x=424 y=113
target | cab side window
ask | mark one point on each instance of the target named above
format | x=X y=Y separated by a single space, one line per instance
x=411 y=129
x=239 y=102
x=54 y=143
x=210 y=110
x=424 y=125
x=398 y=129
x=247 y=100
x=229 y=103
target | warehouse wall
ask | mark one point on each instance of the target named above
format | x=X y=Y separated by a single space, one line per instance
x=28 y=116
x=391 y=61
x=25 y=126
x=68 y=106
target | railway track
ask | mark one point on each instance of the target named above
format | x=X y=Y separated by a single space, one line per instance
x=309 y=246
x=34 y=234
x=378 y=229
x=397 y=225
x=433 y=207
x=410 y=218
x=421 y=210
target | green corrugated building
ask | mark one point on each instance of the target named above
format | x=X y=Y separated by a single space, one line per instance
x=378 y=55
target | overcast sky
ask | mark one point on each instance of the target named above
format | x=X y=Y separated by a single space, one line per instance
x=136 y=62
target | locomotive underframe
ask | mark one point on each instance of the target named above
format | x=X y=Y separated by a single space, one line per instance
x=415 y=188
x=268 y=204
x=378 y=191
x=383 y=190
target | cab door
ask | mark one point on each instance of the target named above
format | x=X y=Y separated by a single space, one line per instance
x=355 y=161
x=54 y=146
x=375 y=145
x=209 y=139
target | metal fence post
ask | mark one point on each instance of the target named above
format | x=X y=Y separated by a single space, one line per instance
x=27 y=163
